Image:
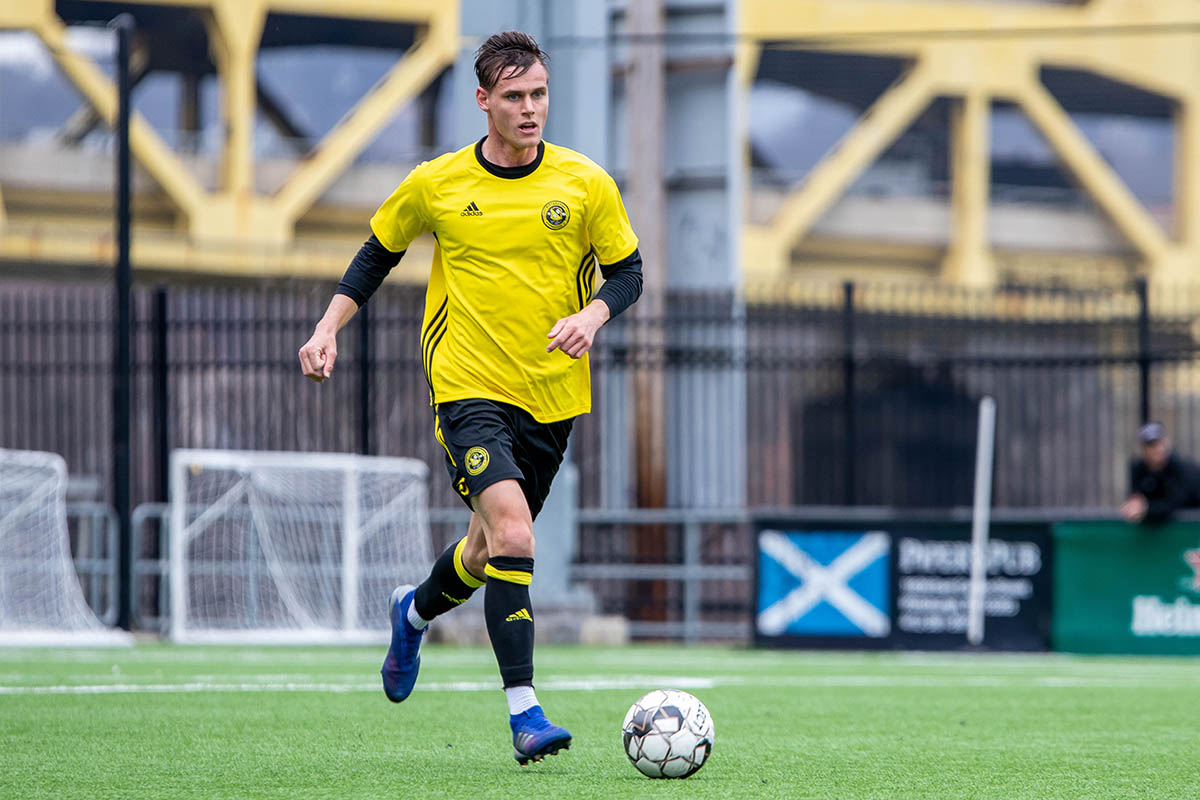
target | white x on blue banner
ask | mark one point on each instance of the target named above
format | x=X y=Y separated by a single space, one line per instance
x=819 y=582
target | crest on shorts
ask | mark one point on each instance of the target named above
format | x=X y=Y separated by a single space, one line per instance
x=477 y=460
x=555 y=214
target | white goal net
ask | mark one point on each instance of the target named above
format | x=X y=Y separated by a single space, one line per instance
x=41 y=601
x=292 y=547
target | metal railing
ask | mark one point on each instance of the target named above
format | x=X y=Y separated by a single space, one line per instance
x=687 y=569
x=94 y=535
x=862 y=396
x=148 y=573
x=149 y=592
x=691 y=560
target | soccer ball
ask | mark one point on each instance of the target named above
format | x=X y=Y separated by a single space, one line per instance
x=668 y=734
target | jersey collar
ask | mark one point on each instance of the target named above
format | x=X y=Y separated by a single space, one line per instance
x=509 y=172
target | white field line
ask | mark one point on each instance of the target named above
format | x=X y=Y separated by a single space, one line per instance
x=564 y=684
x=715 y=662
x=203 y=654
x=637 y=683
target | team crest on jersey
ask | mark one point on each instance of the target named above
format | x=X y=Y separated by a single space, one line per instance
x=555 y=215
x=477 y=460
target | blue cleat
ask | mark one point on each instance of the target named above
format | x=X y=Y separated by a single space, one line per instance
x=404 y=654
x=535 y=737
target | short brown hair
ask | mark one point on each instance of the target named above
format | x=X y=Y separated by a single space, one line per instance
x=502 y=51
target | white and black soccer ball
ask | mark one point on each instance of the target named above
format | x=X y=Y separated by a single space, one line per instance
x=667 y=734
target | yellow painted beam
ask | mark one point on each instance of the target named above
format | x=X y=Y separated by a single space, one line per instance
x=390 y=10
x=1160 y=63
x=151 y=152
x=765 y=254
x=1150 y=62
x=1187 y=172
x=1183 y=263
x=746 y=56
x=25 y=14
x=182 y=3
x=880 y=125
x=235 y=30
x=1093 y=172
x=424 y=62
x=47 y=244
x=1122 y=39
x=999 y=50
x=393 y=10
x=236 y=216
x=773 y=20
x=970 y=260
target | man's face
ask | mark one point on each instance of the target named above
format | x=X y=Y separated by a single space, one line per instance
x=517 y=106
x=1155 y=453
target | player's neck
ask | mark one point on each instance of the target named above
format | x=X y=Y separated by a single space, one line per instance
x=502 y=154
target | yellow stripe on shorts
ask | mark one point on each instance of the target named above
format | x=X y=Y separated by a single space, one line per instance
x=437 y=431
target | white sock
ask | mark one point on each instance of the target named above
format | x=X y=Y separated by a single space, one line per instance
x=415 y=619
x=520 y=698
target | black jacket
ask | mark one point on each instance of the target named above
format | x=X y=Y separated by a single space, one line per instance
x=1175 y=487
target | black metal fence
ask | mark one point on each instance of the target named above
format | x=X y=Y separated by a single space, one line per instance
x=853 y=397
x=830 y=395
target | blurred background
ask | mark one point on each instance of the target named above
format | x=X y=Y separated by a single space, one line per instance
x=858 y=218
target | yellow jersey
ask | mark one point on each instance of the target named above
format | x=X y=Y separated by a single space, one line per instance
x=516 y=250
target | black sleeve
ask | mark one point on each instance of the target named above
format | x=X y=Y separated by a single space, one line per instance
x=622 y=283
x=368 y=269
x=1175 y=494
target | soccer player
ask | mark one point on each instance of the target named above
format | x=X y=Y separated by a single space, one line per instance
x=520 y=225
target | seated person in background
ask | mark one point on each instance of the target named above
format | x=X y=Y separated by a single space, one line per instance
x=1160 y=482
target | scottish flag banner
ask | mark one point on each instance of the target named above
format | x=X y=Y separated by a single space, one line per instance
x=815 y=583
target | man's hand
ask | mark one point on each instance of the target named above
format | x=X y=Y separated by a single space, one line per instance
x=574 y=334
x=1133 y=510
x=318 y=354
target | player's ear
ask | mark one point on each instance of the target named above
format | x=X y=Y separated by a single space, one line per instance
x=481 y=98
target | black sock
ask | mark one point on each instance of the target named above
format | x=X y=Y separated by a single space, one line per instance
x=448 y=585
x=509 y=616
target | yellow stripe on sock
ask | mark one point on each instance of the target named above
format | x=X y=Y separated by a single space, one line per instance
x=511 y=575
x=463 y=575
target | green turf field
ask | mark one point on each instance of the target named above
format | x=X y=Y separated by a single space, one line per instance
x=209 y=722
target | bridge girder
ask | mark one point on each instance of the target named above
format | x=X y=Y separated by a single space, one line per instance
x=235 y=213
x=976 y=53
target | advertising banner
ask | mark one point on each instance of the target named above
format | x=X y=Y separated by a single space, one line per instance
x=1127 y=588
x=903 y=585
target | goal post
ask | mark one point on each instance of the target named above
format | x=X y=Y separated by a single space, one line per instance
x=276 y=547
x=41 y=600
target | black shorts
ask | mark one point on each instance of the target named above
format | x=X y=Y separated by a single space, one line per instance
x=486 y=442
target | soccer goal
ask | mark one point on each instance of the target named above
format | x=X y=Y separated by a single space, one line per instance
x=41 y=601
x=292 y=547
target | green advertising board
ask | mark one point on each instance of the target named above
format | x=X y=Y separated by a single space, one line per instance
x=1122 y=588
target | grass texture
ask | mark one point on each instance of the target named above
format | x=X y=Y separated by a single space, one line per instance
x=160 y=720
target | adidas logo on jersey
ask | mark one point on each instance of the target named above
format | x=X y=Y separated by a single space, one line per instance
x=522 y=614
x=471 y=211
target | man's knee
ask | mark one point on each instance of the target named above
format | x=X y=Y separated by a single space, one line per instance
x=504 y=512
x=511 y=536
